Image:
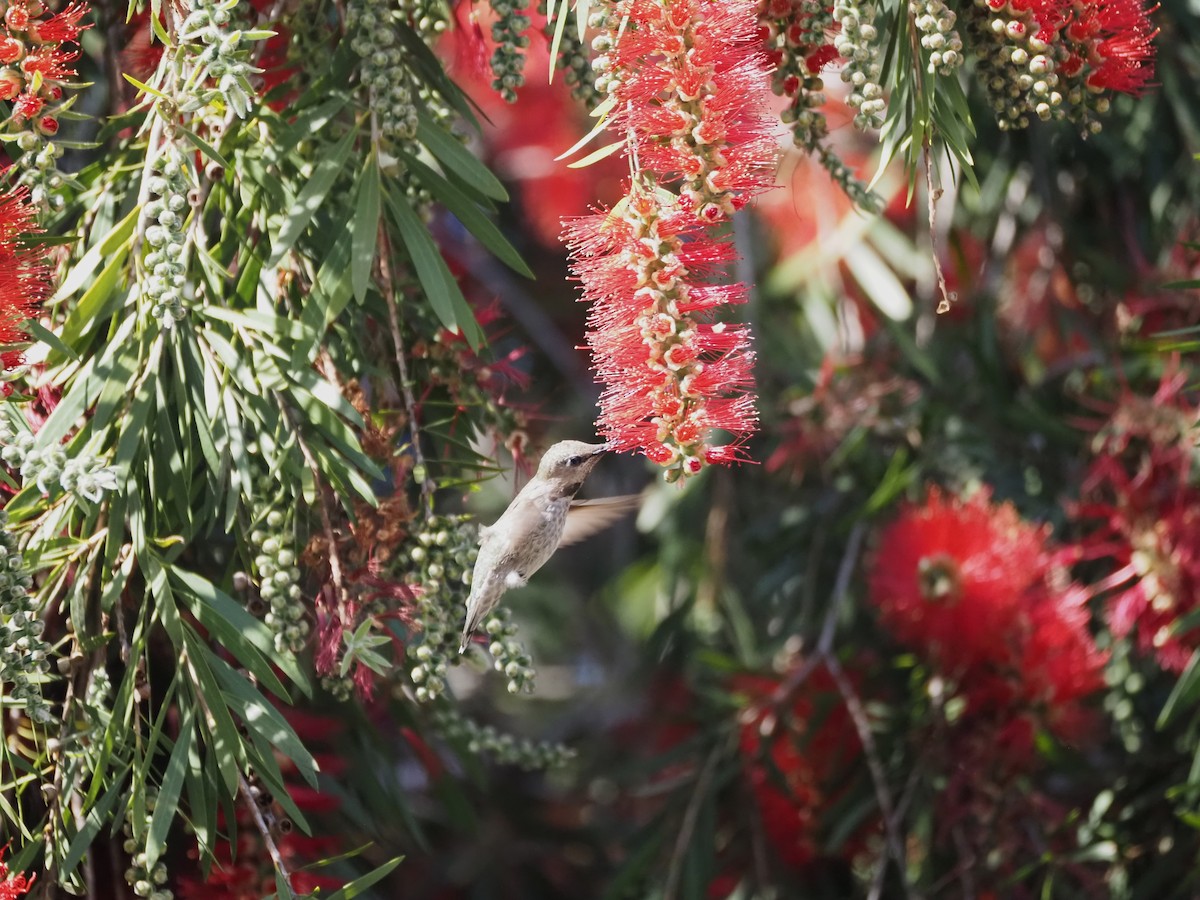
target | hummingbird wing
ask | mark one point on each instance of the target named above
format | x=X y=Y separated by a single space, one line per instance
x=586 y=517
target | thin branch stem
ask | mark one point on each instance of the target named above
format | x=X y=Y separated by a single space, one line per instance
x=388 y=286
x=688 y=825
x=933 y=193
x=883 y=794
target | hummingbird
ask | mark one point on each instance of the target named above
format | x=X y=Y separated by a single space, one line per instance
x=542 y=517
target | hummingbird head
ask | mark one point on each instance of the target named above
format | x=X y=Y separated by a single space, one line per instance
x=569 y=462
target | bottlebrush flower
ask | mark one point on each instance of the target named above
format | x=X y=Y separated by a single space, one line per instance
x=12 y=887
x=1051 y=58
x=1142 y=513
x=794 y=758
x=951 y=577
x=24 y=272
x=976 y=591
x=688 y=87
x=37 y=69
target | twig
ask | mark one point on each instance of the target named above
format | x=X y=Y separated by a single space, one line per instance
x=688 y=824
x=243 y=785
x=883 y=793
x=420 y=469
x=932 y=195
x=786 y=691
x=263 y=829
x=335 y=560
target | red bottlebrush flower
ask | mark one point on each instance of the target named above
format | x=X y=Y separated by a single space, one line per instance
x=690 y=88
x=794 y=758
x=1142 y=514
x=1121 y=37
x=62 y=27
x=973 y=588
x=12 y=887
x=24 y=272
x=951 y=577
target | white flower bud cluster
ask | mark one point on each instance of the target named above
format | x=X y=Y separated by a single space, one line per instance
x=1015 y=65
x=858 y=43
x=24 y=656
x=273 y=538
x=936 y=22
x=219 y=54
x=605 y=80
x=509 y=655
x=40 y=171
x=383 y=72
x=508 y=59
x=573 y=59
x=80 y=475
x=144 y=881
x=439 y=557
x=163 y=218
x=428 y=18
x=502 y=748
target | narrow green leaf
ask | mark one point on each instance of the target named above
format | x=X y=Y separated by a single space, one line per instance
x=247 y=638
x=167 y=806
x=596 y=155
x=40 y=332
x=95 y=819
x=454 y=156
x=144 y=88
x=224 y=742
x=1184 y=694
x=311 y=197
x=559 y=28
x=260 y=716
x=358 y=885
x=445 y=296
x=467 y=212
x=204 y=147
x=366 y=228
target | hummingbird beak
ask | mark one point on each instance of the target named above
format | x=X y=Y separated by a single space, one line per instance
x=603 y=448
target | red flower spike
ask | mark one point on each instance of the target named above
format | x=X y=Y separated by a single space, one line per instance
x=12 y=887
x=24 y=273
x=972 y=587
x=691 y=90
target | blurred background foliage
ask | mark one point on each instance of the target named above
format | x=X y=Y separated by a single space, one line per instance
x=741 y=718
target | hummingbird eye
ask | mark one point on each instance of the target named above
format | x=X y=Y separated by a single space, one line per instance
x=575 y=461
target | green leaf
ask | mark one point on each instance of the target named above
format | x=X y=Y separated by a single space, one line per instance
x=596 y=155
x=222 y=736
x=457 y=158
x=311 y=197
x=144 y=88
x=358 y=885
x=559 y=28
x=260 y=716
x=247 y=638
x=97 y=817
x=439 y=285
x=1184 y=694
x=366 y=227
x=204 y=147
x=40 y=332
x=467 y=212
x=167 y=806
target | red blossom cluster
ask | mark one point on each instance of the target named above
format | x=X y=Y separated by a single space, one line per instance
x=689 y=89
x=35 y=65
x=794 y=758
x=1140 y=509
x=12 y=886
x=978 y=592
x=24 y=272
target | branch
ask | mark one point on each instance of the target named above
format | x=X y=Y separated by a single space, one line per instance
x=688 y=825
x=862 y=725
